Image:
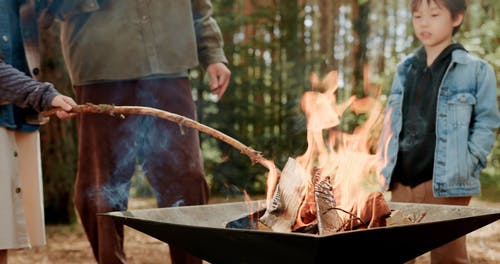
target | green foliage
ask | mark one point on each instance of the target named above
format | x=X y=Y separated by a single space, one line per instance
x=490 y=176
x=260 y=107
x=480 y=35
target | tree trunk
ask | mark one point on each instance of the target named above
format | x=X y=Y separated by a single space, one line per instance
x=58 y=138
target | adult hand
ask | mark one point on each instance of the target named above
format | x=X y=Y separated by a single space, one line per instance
x=219 y=78
x=64 y=102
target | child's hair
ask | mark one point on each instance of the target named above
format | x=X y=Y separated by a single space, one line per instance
x=455 y=7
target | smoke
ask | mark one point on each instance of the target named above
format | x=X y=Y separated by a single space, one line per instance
x=116 y=195
x=178 y=203
x=142 y=142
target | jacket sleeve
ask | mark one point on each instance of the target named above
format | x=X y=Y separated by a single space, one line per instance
x=208 y=34
x=486 y=116
x=23 y=91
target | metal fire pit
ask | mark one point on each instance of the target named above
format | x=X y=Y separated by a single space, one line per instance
x=226 y=233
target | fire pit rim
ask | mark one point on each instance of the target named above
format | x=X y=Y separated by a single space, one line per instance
x=125 y=216
x=255 y=246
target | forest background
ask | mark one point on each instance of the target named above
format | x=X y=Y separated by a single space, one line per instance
x=273 y=47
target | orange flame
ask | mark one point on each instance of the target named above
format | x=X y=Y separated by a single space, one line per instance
x=348 y=158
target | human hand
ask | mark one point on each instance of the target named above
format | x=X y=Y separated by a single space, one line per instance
x=64 y=102
x=219 y=78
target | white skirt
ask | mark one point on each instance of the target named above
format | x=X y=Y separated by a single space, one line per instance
x=21 y=194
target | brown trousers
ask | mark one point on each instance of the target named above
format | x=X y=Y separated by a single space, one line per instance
x=109 y=148
x=452 y=252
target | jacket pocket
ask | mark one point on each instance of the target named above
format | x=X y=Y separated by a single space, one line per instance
x=460 y=109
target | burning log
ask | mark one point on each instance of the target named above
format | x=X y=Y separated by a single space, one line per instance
x=318 y=213
x=329 y=220
x=295 y=208
x=374 y=213
x=283 y=209
x=307 y=220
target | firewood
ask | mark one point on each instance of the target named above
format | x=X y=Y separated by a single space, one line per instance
x=329 y=220
x=378 y=211
x=307 y=215
x=373 y=214
x=282 y=212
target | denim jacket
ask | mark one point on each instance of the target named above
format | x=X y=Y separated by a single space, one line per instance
x=18 y=35
x=466 y=121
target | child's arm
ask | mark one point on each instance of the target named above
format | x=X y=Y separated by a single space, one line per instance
x=22 y=90
x=486 y=117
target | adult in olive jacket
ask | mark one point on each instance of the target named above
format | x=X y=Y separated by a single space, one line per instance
x=138 y=52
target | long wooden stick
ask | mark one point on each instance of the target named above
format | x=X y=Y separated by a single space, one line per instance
x=121 y=111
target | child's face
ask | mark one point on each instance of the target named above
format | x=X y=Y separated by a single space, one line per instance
x=433 y=24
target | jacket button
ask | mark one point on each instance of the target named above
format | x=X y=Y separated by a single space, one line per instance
x=18 y=190
x=35 y=71
x=5 y=38
x=15 y=154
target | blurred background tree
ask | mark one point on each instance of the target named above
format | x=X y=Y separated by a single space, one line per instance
x=273 y=47
x=58 y=137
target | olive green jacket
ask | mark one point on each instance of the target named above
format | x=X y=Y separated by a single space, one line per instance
x=109 y=40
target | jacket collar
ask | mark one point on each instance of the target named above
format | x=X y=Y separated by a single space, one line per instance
x=460 y=56
x=457 y=56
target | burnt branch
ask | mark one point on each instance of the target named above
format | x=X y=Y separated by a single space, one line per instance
x=182 y=121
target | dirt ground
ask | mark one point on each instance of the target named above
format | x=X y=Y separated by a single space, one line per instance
x=68 y=244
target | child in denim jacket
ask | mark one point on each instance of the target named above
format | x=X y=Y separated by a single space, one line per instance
x=21 y=193
x=441 y=118
x=17 y=88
